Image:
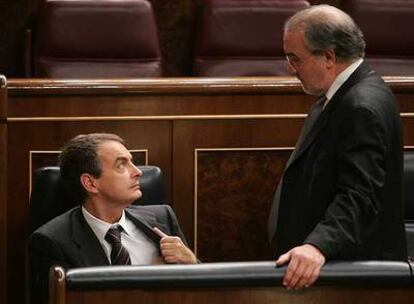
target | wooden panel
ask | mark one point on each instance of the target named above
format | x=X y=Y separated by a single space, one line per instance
x=150 y=99
x=247 y=295
x=235 y=187
x=172 y=118
x=3 y=187
x=220 y=134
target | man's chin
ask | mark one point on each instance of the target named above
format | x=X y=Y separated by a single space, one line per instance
x=309 y=91
x=138 y=196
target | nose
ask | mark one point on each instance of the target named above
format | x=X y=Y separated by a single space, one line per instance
x=136 y=171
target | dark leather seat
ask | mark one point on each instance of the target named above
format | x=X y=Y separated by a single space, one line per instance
x=48 y=199
x=96 y=39
x=409 y=200
x=387 y=27
x=243 y=38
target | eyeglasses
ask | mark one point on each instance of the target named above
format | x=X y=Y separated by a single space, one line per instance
x=296 y=62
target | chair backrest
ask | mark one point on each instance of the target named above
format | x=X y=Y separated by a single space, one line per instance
x=243 y=38
x=48 y=201
x=387 y=28
x=408 y=183
x=96 y=39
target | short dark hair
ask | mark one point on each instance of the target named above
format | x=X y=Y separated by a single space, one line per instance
x=79 y=156
x=327 y=27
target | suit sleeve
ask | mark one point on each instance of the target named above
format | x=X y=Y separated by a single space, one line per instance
x=361 y=151
x=174 y=226
x=44 y=253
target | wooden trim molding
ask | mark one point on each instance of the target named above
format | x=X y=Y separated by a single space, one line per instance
x=242 y=85
x=161 y=117
x=57 y=285
x=3 y=189
x=167 y=117
x=3 y=81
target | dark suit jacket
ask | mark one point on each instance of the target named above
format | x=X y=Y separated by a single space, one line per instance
x=69 y=241
x=342 y=192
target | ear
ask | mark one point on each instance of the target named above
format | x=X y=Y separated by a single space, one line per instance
x=88 y=182
x=330 y=58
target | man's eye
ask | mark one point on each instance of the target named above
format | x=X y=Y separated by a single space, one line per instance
x=294 y=59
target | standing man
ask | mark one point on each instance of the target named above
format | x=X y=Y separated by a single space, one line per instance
x=340 y=193
x=104 y=229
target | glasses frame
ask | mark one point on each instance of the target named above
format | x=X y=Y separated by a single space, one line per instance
x=294 y=61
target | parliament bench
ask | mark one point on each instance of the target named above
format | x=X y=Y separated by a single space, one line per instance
x=238 y=282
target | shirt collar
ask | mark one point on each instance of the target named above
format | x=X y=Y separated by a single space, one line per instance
x=101 y=227
x=341 y=78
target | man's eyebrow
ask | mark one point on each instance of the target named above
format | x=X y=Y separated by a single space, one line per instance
x=122 y=158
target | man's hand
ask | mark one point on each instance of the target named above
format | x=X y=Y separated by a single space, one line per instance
x=305 y=263
x=173 y=249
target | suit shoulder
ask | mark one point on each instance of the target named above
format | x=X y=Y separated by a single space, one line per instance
x=57 y=226
x=154 y=209
x=372 y=86
x=371 y=94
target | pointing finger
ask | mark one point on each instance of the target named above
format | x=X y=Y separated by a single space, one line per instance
x=159 y=232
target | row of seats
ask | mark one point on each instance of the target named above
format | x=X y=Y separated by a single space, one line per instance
x=118 y=38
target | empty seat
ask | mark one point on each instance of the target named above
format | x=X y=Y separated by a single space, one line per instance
x=387 y=27
x=96 y=39
x=409 y=200
x=243 y=38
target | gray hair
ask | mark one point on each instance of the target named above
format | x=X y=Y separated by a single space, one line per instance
x=327 y=27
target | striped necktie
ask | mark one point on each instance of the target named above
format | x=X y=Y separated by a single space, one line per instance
x=119 y=254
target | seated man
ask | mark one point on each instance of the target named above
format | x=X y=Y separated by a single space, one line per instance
x=105 y=229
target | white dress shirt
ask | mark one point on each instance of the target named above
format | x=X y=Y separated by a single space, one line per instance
x=141 y=249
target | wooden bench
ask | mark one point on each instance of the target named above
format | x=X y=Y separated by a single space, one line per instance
x=228 y=283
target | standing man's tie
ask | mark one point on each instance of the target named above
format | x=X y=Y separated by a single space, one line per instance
x=119 y=254
x=314 y=112
x=313 y=115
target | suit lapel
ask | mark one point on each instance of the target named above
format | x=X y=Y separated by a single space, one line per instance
x=312 y=134
x=90 y=249
x=321 y=121
x=146 y=224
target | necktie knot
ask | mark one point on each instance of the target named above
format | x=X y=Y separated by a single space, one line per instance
x=114 y=234
x=319 y=105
